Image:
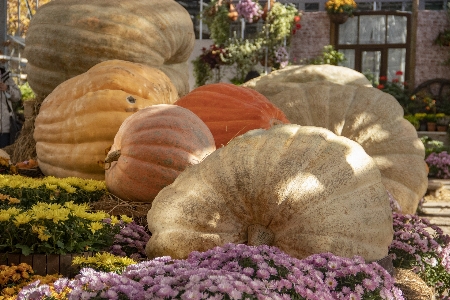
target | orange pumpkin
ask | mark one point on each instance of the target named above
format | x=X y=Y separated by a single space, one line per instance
x=151 y=148
x=229 y=110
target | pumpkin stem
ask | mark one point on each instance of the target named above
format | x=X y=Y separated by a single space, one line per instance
x=112 y=156
x=259 y=235
x=274 y=122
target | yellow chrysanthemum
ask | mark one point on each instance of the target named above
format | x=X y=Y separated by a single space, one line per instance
x=21 y=219
x=126 y=219
x=114 y=220
x=95 y=226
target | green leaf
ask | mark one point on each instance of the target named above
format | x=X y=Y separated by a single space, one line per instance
x=25 y=249
x=60 y=244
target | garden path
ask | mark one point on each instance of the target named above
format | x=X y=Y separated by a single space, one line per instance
x=436 y=205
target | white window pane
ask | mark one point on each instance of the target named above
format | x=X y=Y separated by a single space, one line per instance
x=371 y=62
x=396 y=62
x=372 y=29
x=396 y=30
x=349 y=55
x=348 y=32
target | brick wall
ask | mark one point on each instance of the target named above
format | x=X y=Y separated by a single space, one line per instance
x=309 y=41
x=429 y=57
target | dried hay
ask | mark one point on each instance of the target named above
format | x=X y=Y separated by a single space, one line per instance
x=24 y=147
x=116 y=206
x=412 y=286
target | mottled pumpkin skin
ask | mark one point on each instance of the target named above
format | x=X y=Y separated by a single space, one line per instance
x=229 y=110
x=80 y=118
x=68 y=37
x=310 y=96
x=302 y=189
x=156 y=144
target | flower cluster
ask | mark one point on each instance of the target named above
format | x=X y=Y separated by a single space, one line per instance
x=249 y=10
x=13 y=278
x=55 y=228
x=130 y=241
x=399 y=90
x=340 y=6
x=58 y=190
x=281 y=57
x=105 y=262
x=233 y=272
x=439 y=164
x=214 y=56
x=422 y=247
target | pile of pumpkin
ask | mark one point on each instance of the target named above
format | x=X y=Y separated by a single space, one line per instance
x=299 y=159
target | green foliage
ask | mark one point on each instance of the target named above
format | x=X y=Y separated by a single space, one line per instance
x=49 y=189
x=27 y=92
x=104 y=262
x=242 y=55
x=413 y=120
x=329 y=56
x=216 y=18
x=432 y=146
x=56 y=229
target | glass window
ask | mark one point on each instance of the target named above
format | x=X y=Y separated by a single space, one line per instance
x=372 y=29
x=311 y=6
x=349 y=55
x=396 y=33
x=396 y=62
x=348 y=32
x=371 y=63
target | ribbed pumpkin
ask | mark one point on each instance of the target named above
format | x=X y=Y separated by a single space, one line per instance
x=80 y=118
x=67 y=37
x=302 y=189
x=152 y=147
x=370 y=117
x=289 y=76
x=229 y=110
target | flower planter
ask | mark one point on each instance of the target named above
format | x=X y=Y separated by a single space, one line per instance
x=45 y=264
x=431 y=126
x=441 y=128
x=339 y=18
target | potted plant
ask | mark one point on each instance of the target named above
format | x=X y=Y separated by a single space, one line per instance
x=431 y=122
x=442 y=121
x=340 y=10
x=421 y=118
x=413 y=120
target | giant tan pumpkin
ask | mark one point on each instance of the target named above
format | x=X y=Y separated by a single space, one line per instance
x=370 y=117
x=67 y=37
x=152 y=147
x=80 y=118
x=300 y=188
x=291 y=75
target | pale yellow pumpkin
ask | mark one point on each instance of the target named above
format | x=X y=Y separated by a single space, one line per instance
x=302 y=189
x=67 y=37
x=370 y=117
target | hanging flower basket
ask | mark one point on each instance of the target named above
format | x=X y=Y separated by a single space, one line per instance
x=338 y=18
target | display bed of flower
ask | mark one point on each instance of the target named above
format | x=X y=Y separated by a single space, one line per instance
x=119 y=270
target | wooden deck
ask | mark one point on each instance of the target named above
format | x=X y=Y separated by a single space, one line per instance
x=436 y=206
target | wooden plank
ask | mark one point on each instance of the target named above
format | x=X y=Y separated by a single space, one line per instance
x=52 y=264
x=440 y=204
x=13 y=258
x=27 y=259
x=3 y=259
x=40 y=264
x=435 y=212
x=439 y=221
x=65 y=265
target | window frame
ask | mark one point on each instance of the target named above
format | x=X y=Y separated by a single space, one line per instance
x=384 y=48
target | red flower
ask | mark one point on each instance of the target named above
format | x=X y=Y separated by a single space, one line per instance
x=297 y=19
x=383 y=78
x=395 y=80
x=380 y=87
x=294 y=31
x=399 y=73
x=298 y=26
